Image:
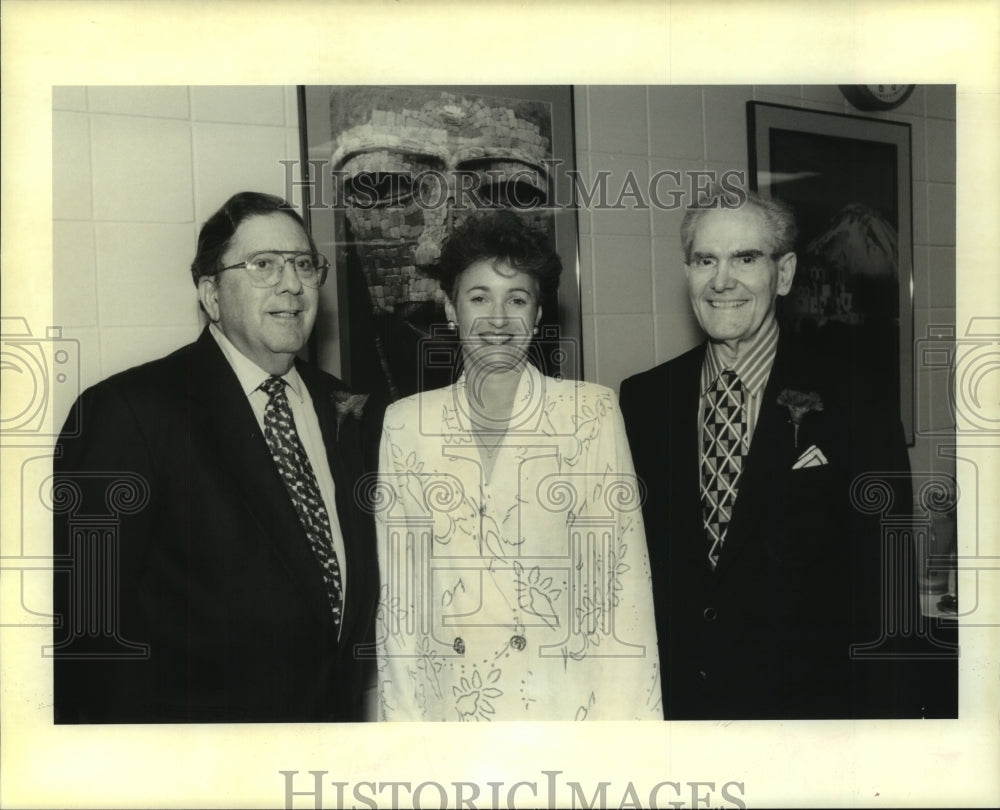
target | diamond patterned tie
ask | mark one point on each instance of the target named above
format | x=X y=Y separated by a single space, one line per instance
x=721 y=458
x=300 y=481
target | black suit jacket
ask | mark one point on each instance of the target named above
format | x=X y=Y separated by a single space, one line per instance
x=198 y=598
x=767 y=634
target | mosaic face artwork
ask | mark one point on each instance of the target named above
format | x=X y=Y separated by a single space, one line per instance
x=409 y=164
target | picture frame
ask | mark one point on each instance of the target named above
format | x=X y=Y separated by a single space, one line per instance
x=511 y=146
x=848 y=179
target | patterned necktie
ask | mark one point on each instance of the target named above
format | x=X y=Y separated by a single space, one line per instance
x=300 y=481
x=721 y=458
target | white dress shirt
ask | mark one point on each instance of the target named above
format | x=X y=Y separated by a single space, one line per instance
x=251 y=376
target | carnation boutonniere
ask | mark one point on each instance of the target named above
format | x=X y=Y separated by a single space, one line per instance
x=799 y=404
x=344 y=402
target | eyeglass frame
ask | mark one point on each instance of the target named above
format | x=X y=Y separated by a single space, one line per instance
x=288 y=256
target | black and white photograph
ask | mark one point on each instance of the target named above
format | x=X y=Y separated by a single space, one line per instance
x=355 y=403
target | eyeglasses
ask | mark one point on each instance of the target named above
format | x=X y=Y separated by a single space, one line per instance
x=265 y=267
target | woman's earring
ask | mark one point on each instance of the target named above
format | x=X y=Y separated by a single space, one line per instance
x=451 y=325
x=534 y=331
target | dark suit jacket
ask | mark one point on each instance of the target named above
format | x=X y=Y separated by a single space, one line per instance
x=214 y=571
x=766 y=635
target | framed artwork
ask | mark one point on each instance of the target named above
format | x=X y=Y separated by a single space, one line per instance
x=848 y=180
x=391 y=171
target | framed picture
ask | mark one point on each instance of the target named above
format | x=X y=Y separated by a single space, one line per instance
x=392 y=170
x=848 y=179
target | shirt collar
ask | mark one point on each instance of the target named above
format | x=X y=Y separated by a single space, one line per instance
x=752 y=367
x=250 y=375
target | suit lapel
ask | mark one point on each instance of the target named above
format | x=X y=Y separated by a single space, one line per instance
x=684 y=388
x=244 y=458
x=771 y=455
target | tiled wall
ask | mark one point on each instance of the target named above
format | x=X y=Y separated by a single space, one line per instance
x=635 y=311
x=136 y=171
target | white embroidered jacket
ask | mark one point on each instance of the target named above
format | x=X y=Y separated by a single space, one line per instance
x=525 y=597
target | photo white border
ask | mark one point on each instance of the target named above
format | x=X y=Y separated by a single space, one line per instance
x=842 y=763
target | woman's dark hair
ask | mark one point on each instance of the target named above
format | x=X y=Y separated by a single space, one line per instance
x=501 y=236
x=217 y=232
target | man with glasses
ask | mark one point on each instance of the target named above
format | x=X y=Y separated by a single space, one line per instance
x=241 y=578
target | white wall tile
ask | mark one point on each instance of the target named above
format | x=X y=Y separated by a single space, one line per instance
x=919 y=204
x=123 y=347
x=159 y=102
x=586 y=275
x=672 y=194
x=581 y=127
x=675 y=122
x=669 y=281
x=675 y=334
x=676 y=327
x=290 y=191
x=144 y=277
x=926 y=458
x=142 y=169
x=914 y=105
x=291 y=96
x=627 y=174
x=939 y=100
x=625 y=346
x=621 y=126
x=823 y=93
x=230 y=157
x=588 y=329
x=74 y=274
x=239 y=105
x=86 y=343
x=71 y=168
x=941 y=150
x=69 y=97
x=932 y=321
x=790 y=94
x=920 y=287
x=622 y=275
x=932 y=401
x=941 y=276
x=918 y=145
x=941 y=213
x=725 y=124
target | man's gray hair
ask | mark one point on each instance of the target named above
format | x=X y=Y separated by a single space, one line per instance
x=778 y=215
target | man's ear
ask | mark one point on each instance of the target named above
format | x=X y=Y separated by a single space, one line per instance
x=786 y=273
x=208 y=294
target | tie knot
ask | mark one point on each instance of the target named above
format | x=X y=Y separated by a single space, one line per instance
x=728 y=381
x=273 y=386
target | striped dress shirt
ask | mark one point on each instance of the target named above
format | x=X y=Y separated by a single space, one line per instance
x=753 y=368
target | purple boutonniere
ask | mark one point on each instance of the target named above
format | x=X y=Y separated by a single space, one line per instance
x=799 y=404
x=344 y=402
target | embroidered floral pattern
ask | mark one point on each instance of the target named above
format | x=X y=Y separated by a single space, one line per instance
x=537 y=595
x=538 y=578
x=474 y=696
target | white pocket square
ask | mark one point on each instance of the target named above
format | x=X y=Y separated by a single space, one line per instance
x=811 y=457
